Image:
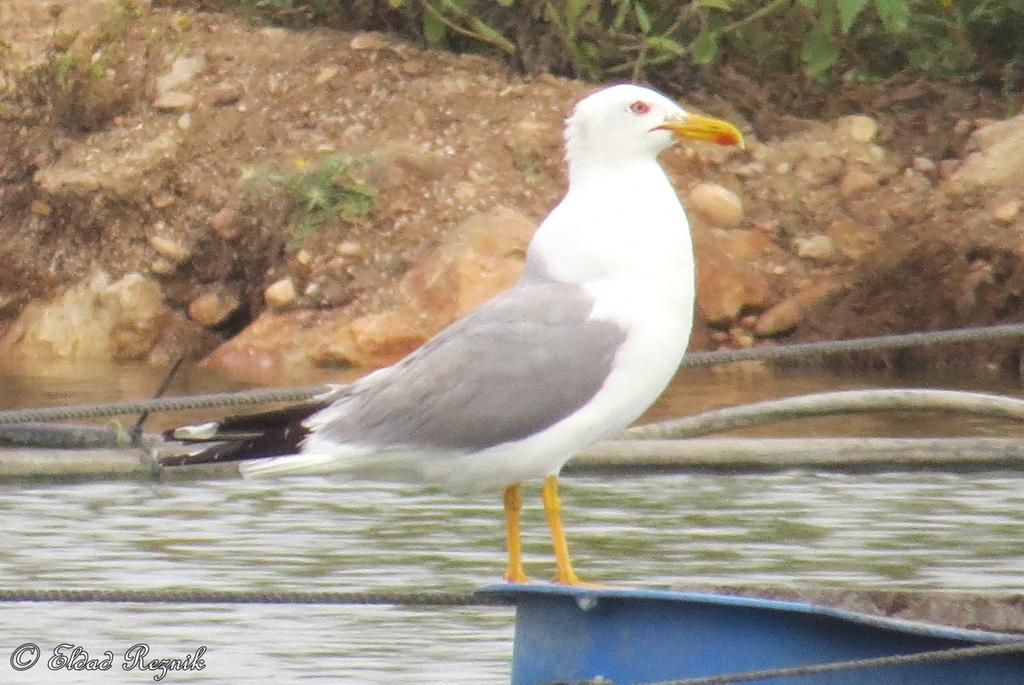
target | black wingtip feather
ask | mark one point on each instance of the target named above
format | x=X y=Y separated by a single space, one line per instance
x=274 y=433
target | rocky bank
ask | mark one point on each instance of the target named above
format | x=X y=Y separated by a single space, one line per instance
x=181 y=183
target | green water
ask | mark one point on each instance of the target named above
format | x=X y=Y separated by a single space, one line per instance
x=908 y=530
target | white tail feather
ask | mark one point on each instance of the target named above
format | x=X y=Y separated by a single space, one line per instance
x=291 y=464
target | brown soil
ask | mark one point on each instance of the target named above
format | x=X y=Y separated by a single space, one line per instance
x=446 y=137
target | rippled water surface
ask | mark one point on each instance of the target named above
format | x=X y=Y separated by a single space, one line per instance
x=910 y=530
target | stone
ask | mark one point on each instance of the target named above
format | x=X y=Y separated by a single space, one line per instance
x=95 y=319
x=212 y=308
x=1007 y=212
x=369 y=40
x=225 y=93
x=183 y=69
x=718 y=204
x=819 y=248
x=740 y=337
x=169 y=248
x=275 y=34
x=349 y=248
x=819 y=170
x=275 y=341
x=162 y=201
x=749 y=246
x=852 y=239
x=861 y=128
x=726 y=284
x=483 y=256
x=787 y=314
x=326 y=74
x=855 y=181
x=139 y=315
x=998 y=161
x=174 y=101
x=225 y=223
x=781 y=318
x=947 y=167
x=751 y=169
x=163 y=267
x=924 y=165
x=40 y=208
x=963 y=126
x=373 y=340
x=280 y=294
x=720 y=337
x=109 y=161
x=337 y=267
x=414 y=67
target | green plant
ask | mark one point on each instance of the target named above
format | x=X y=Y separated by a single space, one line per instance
x=328 y=190
x=873 y=38
x=442 y=18
x=665 y=40
x=89 y=75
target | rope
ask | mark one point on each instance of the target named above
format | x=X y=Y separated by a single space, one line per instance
x=936 y=656
x=830 y=403
x=714 y=421
x=167 y=596
x=760 y=455
x=866 y=344
x=696 y=359
x=108 y=409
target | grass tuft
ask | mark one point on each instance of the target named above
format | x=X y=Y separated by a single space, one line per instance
x=329 y=189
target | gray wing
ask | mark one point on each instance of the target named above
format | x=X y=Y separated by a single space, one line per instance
x=517 y=364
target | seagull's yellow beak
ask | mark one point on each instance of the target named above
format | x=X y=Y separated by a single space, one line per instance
x=699 y=127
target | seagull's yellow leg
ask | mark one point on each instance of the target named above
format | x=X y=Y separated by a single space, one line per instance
x=514 y=572
x=552 y=510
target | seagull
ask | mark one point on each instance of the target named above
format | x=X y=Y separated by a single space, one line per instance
x=574 y=351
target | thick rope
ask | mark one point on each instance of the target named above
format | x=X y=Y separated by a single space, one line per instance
x=830 y=403
x=166 y=596
x=866 y=344
x=714 y=421
x=936 y=656
x=758 y=455
x=696 y=359
x=109 y=409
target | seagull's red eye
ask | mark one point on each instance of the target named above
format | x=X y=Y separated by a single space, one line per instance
x=639 y=107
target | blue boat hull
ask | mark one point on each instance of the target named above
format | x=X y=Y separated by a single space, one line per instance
x=569 y=635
